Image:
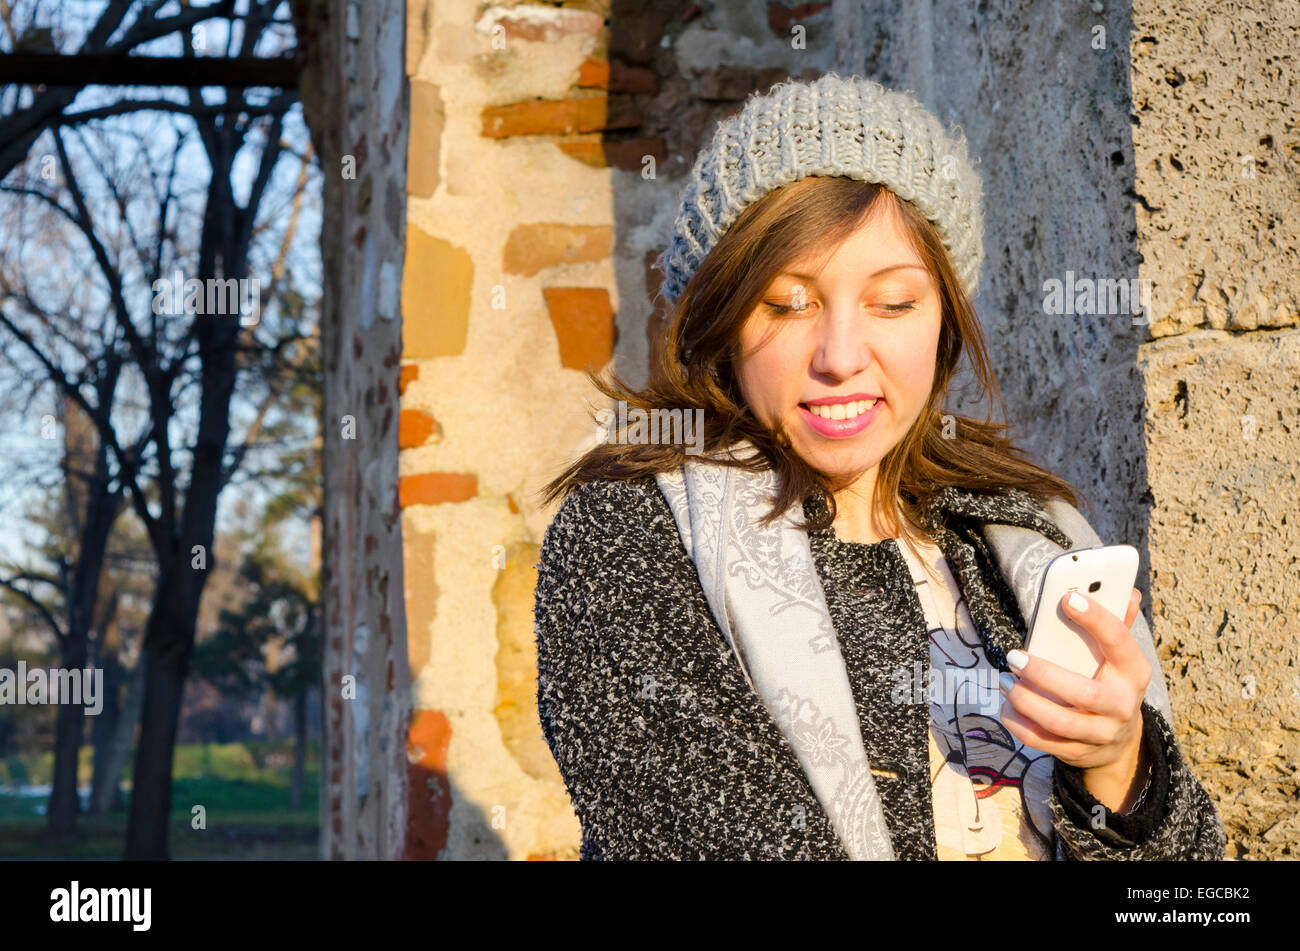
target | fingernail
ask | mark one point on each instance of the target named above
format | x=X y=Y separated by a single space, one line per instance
x=1078 y=602
x=1006 y=680
x=1017 y=659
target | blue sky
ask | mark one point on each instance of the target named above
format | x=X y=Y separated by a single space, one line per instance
x=22 y=445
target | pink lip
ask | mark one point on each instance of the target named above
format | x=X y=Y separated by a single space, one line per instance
x=840 y=428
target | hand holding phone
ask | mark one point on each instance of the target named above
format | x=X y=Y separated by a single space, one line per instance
x=1101 y=731
x=1106 y=574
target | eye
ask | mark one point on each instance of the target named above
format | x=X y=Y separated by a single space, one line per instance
x=781 y=310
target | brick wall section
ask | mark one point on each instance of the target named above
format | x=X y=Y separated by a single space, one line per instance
x=547 y=147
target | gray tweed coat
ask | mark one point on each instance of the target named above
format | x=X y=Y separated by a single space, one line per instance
x=666 y=751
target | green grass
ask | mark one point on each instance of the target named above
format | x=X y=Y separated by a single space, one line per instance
x=251 y=761
x=246 y=807
x=102 y=838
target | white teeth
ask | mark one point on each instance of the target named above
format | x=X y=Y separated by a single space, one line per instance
x=842 y=410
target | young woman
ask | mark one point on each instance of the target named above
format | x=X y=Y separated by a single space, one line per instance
x=804 y=641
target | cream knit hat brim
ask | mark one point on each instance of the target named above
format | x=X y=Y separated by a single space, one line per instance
x=833 y=126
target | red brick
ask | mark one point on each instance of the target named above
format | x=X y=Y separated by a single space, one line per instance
x=428 y=789
x=559 y=116
x=434 y=488
x=586 y=149
x=584 y=325
x=626 y=154
x=414 y=427
x=639 y=27
x=780 y=17
x=725 y=83
x=616 y=76
x=408 y=373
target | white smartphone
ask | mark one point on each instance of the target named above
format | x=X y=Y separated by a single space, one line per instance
x=1106 y=574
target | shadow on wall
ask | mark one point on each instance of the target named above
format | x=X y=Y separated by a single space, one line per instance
x=430 y=793
x=673 y=72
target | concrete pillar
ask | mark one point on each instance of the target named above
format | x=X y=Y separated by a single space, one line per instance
x=355 y=99
x=1123 y=141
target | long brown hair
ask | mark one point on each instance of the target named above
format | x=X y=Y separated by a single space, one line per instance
x=695 y=367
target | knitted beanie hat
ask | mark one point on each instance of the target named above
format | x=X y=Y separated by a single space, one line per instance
x=833 y=126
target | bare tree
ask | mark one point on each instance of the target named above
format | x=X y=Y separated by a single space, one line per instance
x=119 y=28
x=64 y=595
x=172 y=478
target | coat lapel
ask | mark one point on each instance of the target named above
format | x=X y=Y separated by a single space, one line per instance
x=988 y=539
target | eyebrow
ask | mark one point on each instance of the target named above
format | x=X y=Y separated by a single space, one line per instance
x=813 y=277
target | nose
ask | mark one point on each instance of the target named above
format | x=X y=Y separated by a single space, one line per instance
x=842 y=348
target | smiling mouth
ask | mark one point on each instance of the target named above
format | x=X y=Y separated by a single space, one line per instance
x=849 y=410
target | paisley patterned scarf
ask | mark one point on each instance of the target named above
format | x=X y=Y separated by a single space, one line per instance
x=764 y=593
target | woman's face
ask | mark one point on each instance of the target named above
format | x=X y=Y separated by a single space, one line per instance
x=868 y=328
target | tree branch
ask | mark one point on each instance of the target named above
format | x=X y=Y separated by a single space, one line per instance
x=41 y=609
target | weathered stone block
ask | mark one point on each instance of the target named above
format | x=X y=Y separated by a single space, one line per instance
x=539 y=23
x=516 y=663
x=438 y=277
x=533 y=247
x=427 y=118
x=421 y=589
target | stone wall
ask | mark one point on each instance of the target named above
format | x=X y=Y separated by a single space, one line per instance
x=1216 y=138
x=1122 y=141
